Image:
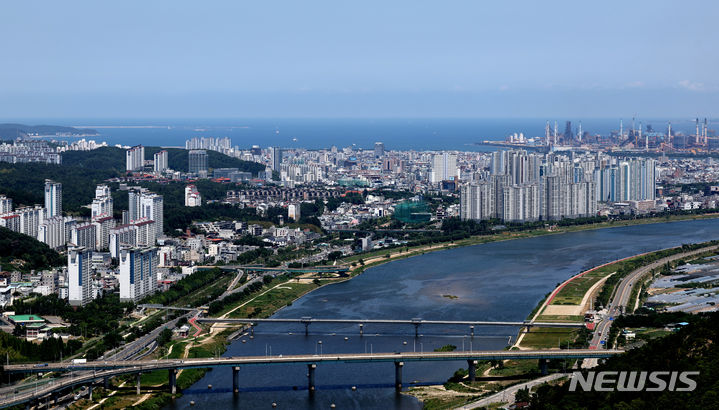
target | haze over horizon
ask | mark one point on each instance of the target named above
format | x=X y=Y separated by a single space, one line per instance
x=371 y=59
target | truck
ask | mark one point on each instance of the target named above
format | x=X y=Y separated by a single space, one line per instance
x=79 y=361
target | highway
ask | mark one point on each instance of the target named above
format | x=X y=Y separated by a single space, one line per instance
x=135 y=366
x=91 y=372
x=623 y=292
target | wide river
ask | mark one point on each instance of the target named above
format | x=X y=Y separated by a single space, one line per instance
x=494 y=281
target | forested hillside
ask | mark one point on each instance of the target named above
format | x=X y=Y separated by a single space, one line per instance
x=23 y=253
x=692 y=348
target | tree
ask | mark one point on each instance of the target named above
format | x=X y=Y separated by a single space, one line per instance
x=522 y=395
x=112 y=339
x=164 y=337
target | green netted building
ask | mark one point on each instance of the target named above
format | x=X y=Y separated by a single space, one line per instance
x=412 y=212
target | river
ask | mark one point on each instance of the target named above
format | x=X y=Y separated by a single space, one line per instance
x=494 y=281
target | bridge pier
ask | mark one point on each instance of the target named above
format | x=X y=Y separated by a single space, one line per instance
x=139 y=375
x=471 y=330
x=311 y=377
x=89 y=397
x=306 y=320
x=398 y=376
x=543 y=366
x=106 y=383
x=472 y=369
x=416 y=330
x=361 y=326
x=252 y=329
x=236 y=380
x=172 y=380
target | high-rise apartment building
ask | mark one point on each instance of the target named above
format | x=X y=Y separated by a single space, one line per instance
x=138 y=273
x=197 y=161
x=52 y=232
x=5 y=205
x=53 y=198
x=84 y=235
x=276 y=158
x=444 y=167
x=79 y=277
x=160 y=161
x=135 y=158
x=102 y=205
x=378 y=149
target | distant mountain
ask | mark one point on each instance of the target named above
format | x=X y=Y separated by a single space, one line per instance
x=20 y=130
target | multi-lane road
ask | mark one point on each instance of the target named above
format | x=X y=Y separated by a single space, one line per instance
x=623 y=292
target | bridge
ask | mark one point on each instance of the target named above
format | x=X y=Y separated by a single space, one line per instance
x=96 y=371
x=416 y=322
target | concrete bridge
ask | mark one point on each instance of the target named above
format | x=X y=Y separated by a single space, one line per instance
x=98 y=371
x=416 y=322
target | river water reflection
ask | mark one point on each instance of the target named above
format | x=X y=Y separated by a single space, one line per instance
x=494 y=281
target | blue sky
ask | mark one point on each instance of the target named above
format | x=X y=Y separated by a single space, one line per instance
x=101 y=59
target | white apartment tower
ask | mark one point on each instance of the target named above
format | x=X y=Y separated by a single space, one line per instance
x=53 y=198
x=102 y=205
x=160 y=161
x=444 y=167
x=138 y=273
x=5 y=205
x=79 y=279
x=134 y=158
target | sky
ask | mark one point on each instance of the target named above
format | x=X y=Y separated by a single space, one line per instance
x=243 y=59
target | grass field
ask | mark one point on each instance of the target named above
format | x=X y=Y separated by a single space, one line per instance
x=548 y=338
x=278 y=297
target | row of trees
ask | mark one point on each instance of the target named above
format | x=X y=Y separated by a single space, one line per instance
x=16 y=349
x=185 y=286
x=98 y=317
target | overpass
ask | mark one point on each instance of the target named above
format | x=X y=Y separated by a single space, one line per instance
x=96 y=371
x=416 y=322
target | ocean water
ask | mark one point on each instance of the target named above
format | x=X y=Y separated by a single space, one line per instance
x=397 y=134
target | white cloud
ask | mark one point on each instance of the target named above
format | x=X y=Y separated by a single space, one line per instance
x=691 y=85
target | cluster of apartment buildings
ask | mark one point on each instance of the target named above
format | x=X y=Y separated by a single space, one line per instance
x=132 y=240
x=522 y=186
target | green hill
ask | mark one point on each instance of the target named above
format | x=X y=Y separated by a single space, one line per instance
x=25 y=183
x=692 y=348
x=177 y=158
x=24 y=253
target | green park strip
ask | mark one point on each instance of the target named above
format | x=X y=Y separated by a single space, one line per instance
x=549 y=338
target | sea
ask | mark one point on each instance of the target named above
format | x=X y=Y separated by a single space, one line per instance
x=421 y=134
